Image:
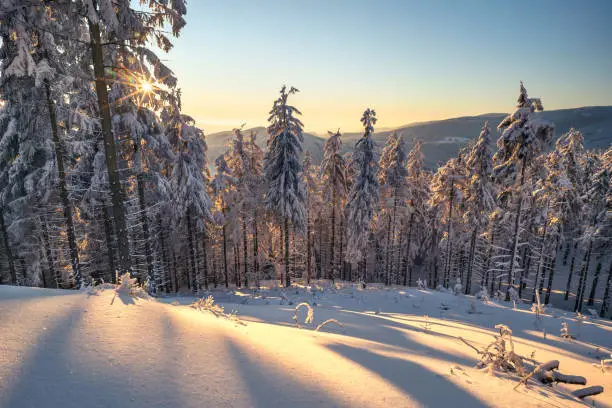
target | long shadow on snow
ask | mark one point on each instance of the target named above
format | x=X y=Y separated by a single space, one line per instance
x=270 y=387
x=429 y=388
x=53 y=376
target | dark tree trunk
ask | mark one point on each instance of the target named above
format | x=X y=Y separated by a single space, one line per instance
x=237 y=265
x=192 y=255
x=332 y=245
x=7 y=249
x=225 y=272
x=166 y=263
x=468 y=281
x=387 y=266
x=551 y=274
x=110 y=244
x=109 y=146
x=175 y=267
x=449 y=244
x=144 y=220
x=245 y=253
x=255 y=249
x=342 y=262
x=308 y=251
x=515 y=237
x=583 y=275
x=48 y=254
x=568 y=287
x=490 y=279
x=287 y=277
x=605 y=301
x=591 y=300
x=205 y=258
x=63 y=191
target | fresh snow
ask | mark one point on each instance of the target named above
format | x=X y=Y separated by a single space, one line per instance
x=398 y=348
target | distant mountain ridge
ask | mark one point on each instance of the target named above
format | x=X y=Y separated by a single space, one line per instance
x=442 y=139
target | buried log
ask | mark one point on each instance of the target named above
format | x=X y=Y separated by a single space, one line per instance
x=549 y=377
x=588 y=391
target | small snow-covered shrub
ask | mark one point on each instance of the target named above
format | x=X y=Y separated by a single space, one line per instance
x=422 y=284
x=565 y=333
x=514 y=296
x=458 y=288
x=483 y=294
x=127 y=285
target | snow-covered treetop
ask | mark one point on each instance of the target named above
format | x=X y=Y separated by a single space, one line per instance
x=523 y=136
x=333 y=166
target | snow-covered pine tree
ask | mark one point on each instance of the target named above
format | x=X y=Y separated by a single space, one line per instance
x=285 y=194
x=419 y=227
x=480 y=194
x=333 y=181
x=447 y=187
x=523 y=137
x=364 y=195
x=392 y=175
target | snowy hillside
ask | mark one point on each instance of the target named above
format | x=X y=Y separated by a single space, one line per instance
x=397 y=348
x=442 y=139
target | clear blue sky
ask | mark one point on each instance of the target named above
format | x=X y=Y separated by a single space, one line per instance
x=410 y=60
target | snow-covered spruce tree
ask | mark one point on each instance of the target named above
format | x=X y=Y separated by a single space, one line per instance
x=419 y=228
x=392 y=175
x=120 y=25
x=285 y=194
x=523 y=137
x=596 y=234
x=364 y=195
x=479 y=199
x=255 y=187
x=313 y=207
x=26 y=148
x=447 y=187
x=222 y=187
x=188 y=180
x=333 y=182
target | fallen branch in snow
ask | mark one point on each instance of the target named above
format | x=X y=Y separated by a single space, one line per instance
x=208 y=304
x=309 y=316
x=329 y=321
x=549 y=365
x=588 y=391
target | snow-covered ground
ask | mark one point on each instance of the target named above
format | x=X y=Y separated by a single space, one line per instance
x=398 y=348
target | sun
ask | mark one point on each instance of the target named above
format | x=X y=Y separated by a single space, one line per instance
x=146 y=86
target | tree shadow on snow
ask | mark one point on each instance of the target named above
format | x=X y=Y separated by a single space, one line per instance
x=58 y=372
x=429 y=388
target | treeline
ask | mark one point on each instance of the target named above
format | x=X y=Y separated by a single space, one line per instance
x=101 y=173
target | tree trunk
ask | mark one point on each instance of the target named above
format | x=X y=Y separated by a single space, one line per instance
x=144 y=220
x=287 y=278
x=7 y=249
x=308 y=250
x=540 y=268
x=48 y=254
x=175 y=274
x=551 y=274
x=166 y=264
x=517 y=223
x=245 y=254
x=109 y=146
x=192 y=256
x=583 y=275
x=569 y=278
x=63 y=192
x=237 y=265
x=468 y=280
x=110 y=244
x=225 y=272
x=205 y=258
x=332 y=246
x=605 y=301
x=408 y=244
x=255 y=249
x=342 y=262
x=387 y=269
x=489 y=259
x=449 y=245
x=591 y=300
